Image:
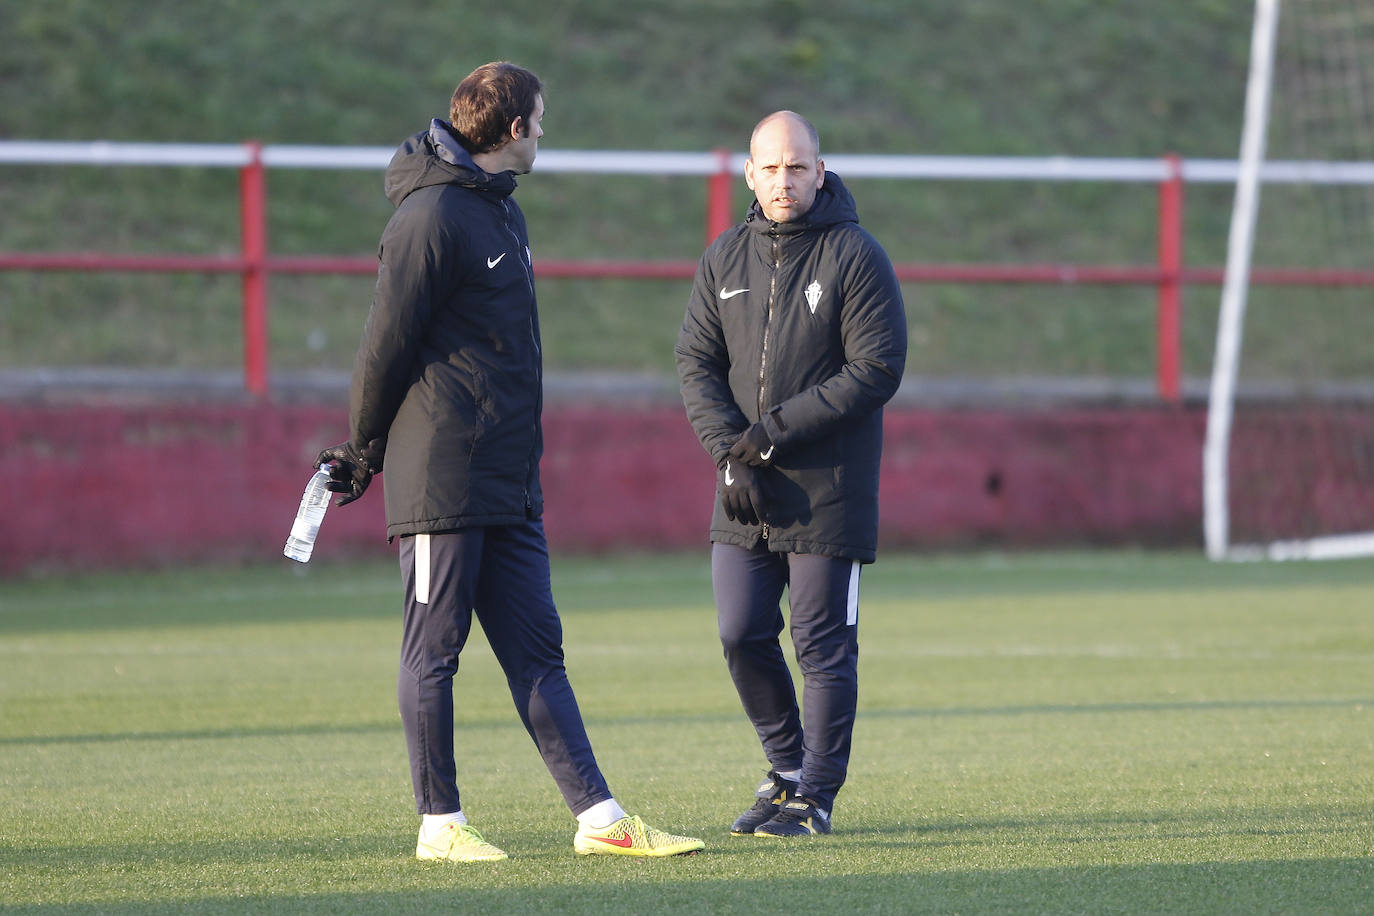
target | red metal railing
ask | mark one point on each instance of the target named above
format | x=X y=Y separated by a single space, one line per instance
x=253 y=231
x=254 y=264
x=1168 y=364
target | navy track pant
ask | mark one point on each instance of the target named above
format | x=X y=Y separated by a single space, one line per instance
x=502 y=574
x=822 y=595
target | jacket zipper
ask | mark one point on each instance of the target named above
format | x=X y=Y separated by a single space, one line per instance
x=534 y=339
x=525 y=265
x=767 y=329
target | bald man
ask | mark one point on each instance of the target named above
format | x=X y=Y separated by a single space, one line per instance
x=793 y=340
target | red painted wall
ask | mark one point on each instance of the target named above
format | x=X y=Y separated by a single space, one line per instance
x=1061 y=476
x=108 y=486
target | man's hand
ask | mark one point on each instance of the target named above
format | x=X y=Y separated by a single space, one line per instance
x=351 y=469
x=754 y=447
x=741 y=493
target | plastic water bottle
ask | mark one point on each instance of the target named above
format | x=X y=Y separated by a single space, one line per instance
x=314 y=501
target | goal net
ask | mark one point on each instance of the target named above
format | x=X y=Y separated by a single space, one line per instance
x=1288 y=467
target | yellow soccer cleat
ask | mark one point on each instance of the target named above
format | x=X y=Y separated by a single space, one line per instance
x=630 y=836
x=457 y=843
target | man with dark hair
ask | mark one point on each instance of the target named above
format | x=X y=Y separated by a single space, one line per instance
x=793 y=340
x=484 y=105
x=447 y=391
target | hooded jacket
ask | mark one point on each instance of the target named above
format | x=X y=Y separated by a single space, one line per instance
x=449 y=371
x=799 y=325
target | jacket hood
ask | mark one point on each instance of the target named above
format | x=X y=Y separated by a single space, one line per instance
x=434 y=157
x=833 y=205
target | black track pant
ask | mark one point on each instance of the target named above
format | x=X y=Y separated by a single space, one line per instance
x=502 y=574
x=822 y=595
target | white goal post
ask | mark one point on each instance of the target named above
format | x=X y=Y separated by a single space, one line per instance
x=1218 y=493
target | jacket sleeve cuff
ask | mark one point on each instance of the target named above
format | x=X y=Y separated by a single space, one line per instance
x=775 y=426
x=372 y=455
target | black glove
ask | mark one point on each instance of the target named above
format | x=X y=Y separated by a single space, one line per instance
x=754 y=447
x=351 y=468
x=741 y=493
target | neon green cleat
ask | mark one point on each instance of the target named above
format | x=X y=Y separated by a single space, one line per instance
x=458 y=843
x=630 y=836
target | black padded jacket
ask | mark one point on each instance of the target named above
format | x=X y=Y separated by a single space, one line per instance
x=801 y=325
x=449 y=370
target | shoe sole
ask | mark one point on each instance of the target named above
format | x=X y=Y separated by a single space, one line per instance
x=426 y=856
x=640 y=853
x=500 y=858
x=788 y=836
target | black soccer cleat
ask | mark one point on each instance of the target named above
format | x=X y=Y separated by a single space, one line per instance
x=769 y=798
x=798 y=817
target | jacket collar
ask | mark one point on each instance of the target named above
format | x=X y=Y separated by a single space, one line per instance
x=444 y=141
x=436 y=157
x=833 y=204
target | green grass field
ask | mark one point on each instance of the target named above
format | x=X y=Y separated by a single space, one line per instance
x=1085 y=732
x=942 y=77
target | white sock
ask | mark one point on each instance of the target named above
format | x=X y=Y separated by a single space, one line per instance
x=430 y=824
x=790 y=775
x=601 y=815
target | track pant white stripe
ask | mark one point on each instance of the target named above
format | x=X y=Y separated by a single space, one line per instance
x=422 y=568
x=852 y=610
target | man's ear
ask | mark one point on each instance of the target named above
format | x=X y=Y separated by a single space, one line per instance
x=820 y=173
x=515 y=132
x=749 y=173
